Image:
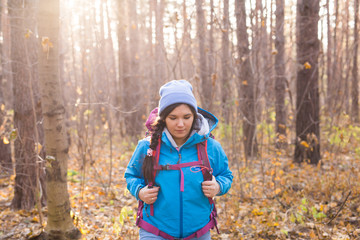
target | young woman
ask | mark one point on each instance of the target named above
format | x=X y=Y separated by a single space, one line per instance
x=166 y=172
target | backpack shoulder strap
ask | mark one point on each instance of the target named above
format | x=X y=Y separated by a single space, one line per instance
x=202 y=151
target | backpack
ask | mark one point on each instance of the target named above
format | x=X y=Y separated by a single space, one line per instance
x=203 y=161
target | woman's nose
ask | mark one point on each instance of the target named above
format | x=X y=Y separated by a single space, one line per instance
x=180 y=122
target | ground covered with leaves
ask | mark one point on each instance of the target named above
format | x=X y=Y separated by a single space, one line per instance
x=271 y=197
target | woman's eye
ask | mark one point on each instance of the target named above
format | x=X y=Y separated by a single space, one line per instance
x=172 y=118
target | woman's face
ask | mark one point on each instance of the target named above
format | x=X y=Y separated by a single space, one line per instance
x=179 y=123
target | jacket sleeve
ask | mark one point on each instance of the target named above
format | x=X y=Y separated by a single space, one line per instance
x=220 y=165
x=133 y=174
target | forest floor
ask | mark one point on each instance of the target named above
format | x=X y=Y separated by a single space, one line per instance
x=271 y=198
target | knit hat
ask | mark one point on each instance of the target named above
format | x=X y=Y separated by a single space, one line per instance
x=176 y=91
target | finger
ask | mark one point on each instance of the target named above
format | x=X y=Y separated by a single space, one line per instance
x=154 y=190
x=208 y=183
x=209 y=187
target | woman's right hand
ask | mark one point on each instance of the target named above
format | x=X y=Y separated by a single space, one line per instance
x=149 y=195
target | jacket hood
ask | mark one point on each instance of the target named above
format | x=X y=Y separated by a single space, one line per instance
x=206 y=118
x=205 y=123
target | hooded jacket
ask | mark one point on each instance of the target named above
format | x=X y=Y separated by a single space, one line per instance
x=177 y=213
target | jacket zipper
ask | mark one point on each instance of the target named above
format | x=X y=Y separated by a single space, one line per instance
x=181 y=215
x=181 y=202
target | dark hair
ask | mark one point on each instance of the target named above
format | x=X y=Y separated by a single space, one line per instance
x=158 y=127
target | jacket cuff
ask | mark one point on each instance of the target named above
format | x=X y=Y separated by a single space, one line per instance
x=139 y=187
x=221 y=187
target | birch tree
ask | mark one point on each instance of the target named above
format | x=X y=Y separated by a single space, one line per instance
x=59 y=223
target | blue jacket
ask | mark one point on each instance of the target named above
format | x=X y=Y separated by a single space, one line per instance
x=177 y=213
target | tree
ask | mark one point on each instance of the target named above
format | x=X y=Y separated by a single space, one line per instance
x=6 y=167
x=124 y=65
x=330 y=84
x=26 y=103
x=226 y=63
x=307 y=145
x=132 y=88
x=355 y=81
x=246 y=81
x=187 y=68
x=59 y=224
x=160 y=63
x=280 y=81
x=206 y=86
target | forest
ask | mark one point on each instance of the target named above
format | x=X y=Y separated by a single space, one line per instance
x=78 y=79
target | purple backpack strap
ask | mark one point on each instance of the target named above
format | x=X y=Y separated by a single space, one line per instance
x=207 y=172
x=203 y=156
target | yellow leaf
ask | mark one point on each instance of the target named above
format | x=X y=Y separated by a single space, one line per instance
x=5 y=140
x=312 y=235
x=244 y=83
x=2 y=108
x=35 y=219
x=28 y=33
x=46 y=44
x=78 y=90
x=304 y=143
x=126 y=192
x=277 y=191
x=274 y=52
x=257 y=212
x=38 y=148
x=307 y=65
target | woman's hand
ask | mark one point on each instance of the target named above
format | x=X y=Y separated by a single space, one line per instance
x=210 y=188
x=149 y=195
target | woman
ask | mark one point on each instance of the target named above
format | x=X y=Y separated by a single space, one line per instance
x=166 y=175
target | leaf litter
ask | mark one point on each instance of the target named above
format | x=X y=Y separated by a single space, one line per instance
x=271 y=198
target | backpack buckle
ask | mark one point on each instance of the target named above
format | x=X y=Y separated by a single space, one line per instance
x=165 y=167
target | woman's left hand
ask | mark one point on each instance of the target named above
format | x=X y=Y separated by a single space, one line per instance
x=210 y=188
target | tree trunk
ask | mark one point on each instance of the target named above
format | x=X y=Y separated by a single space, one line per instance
x=6 y=167
x=307 y=145
x=206 y=87
x=347 y=61
x=187 y=70
x=132 y=95
x=160 y=63
x=124 y=69
x=280 y=81
x=26 y=103
x=246 y=82
x=226 y=63
x=330 y=88
x=355 y=81
x=211 y=56
x=59 y=225
x=335 y=73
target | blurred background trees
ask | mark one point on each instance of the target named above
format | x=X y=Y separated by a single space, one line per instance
x=255 y=64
